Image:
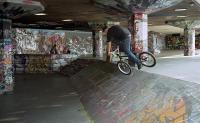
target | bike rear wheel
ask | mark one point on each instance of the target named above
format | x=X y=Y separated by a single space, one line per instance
x=147 y=59
x=124 y=67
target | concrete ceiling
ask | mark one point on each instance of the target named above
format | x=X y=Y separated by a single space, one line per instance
x=166 y=29
x=84 y=11
x=160 y=17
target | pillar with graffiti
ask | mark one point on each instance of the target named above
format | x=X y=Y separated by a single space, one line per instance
x=6 y=56
x=97 y=36
x=11 y=10
x=138 y=26
x=189 y=35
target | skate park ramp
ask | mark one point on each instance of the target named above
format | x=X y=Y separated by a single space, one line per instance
x=111 y=97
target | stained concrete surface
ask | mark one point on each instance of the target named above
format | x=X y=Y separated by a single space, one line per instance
x=51 y=99
x=179 y=67
x=111 y=97
x=42 y=99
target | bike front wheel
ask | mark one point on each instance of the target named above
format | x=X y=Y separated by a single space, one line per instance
x=147 y=59
x=124 y=67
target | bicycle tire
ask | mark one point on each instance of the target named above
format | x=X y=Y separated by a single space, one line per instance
x=144 y=60
x=126 y=66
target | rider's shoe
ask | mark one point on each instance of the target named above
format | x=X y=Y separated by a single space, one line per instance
x=139 y=66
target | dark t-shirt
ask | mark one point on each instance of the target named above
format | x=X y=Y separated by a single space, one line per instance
x=117 y=33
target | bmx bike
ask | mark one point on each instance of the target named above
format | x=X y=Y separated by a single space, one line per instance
x=147 y=59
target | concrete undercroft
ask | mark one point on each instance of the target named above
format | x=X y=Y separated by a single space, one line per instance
x=53 y=69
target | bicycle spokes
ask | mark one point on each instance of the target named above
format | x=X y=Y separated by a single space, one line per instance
x=124 y=67
x=147 y=59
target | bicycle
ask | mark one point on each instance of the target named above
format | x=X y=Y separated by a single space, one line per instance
x=147 y=59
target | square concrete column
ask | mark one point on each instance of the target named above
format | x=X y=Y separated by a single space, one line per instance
x=152 y=42
x=190 y=42
x=99 y=43
x=139 y=28
x=97 y=36
x=6 y=57
x=94 y=43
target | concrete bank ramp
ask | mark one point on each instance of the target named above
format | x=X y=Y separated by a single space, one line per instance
x=111 y=97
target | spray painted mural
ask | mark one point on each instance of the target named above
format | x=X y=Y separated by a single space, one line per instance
x=57 y=47
x=31 y=63
x=33 y=41
x=110 y=97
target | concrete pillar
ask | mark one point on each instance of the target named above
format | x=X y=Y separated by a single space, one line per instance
x=139 y=31
x=99 y=44
x=97 y=36
x=190 y=42
x=152 y=42
x=94 y=42
x=6 y=57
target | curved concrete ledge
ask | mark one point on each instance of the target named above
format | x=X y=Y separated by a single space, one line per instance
x=110 y=97
x=147 y=6
x=193 y=23
x=17 y=8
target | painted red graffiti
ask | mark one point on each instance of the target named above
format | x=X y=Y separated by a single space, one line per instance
x=55 y=38
x=138 y=16
x=119 y=115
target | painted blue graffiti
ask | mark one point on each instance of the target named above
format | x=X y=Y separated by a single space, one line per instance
x=2 y=87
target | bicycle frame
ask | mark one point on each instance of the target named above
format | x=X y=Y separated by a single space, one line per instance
x=139 y=54
x=117 y=54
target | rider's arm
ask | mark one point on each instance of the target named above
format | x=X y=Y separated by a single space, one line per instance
x=109 y=48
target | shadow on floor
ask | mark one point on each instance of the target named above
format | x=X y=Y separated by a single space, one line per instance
x=42 y=99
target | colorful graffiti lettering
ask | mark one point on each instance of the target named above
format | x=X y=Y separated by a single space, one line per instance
x=27 y=63
x=33 y=63
x=39 y=65
x=173 y=112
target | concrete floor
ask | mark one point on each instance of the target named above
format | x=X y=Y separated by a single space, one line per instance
x=180 y=67
x=42 y=99
x=51 y=99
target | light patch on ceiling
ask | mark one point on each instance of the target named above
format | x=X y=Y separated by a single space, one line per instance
x=48 y=23
x=166 y=29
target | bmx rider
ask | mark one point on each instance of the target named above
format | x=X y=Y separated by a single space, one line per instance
x=122 y=37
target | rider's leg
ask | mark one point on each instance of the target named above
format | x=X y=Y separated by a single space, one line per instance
x=127 y=49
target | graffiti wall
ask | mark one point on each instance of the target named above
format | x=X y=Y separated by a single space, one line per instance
x=41 y=63
x=58 y=61
x=48 y=50
x=34 y=41
x=175 y=42
x=32 y=63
